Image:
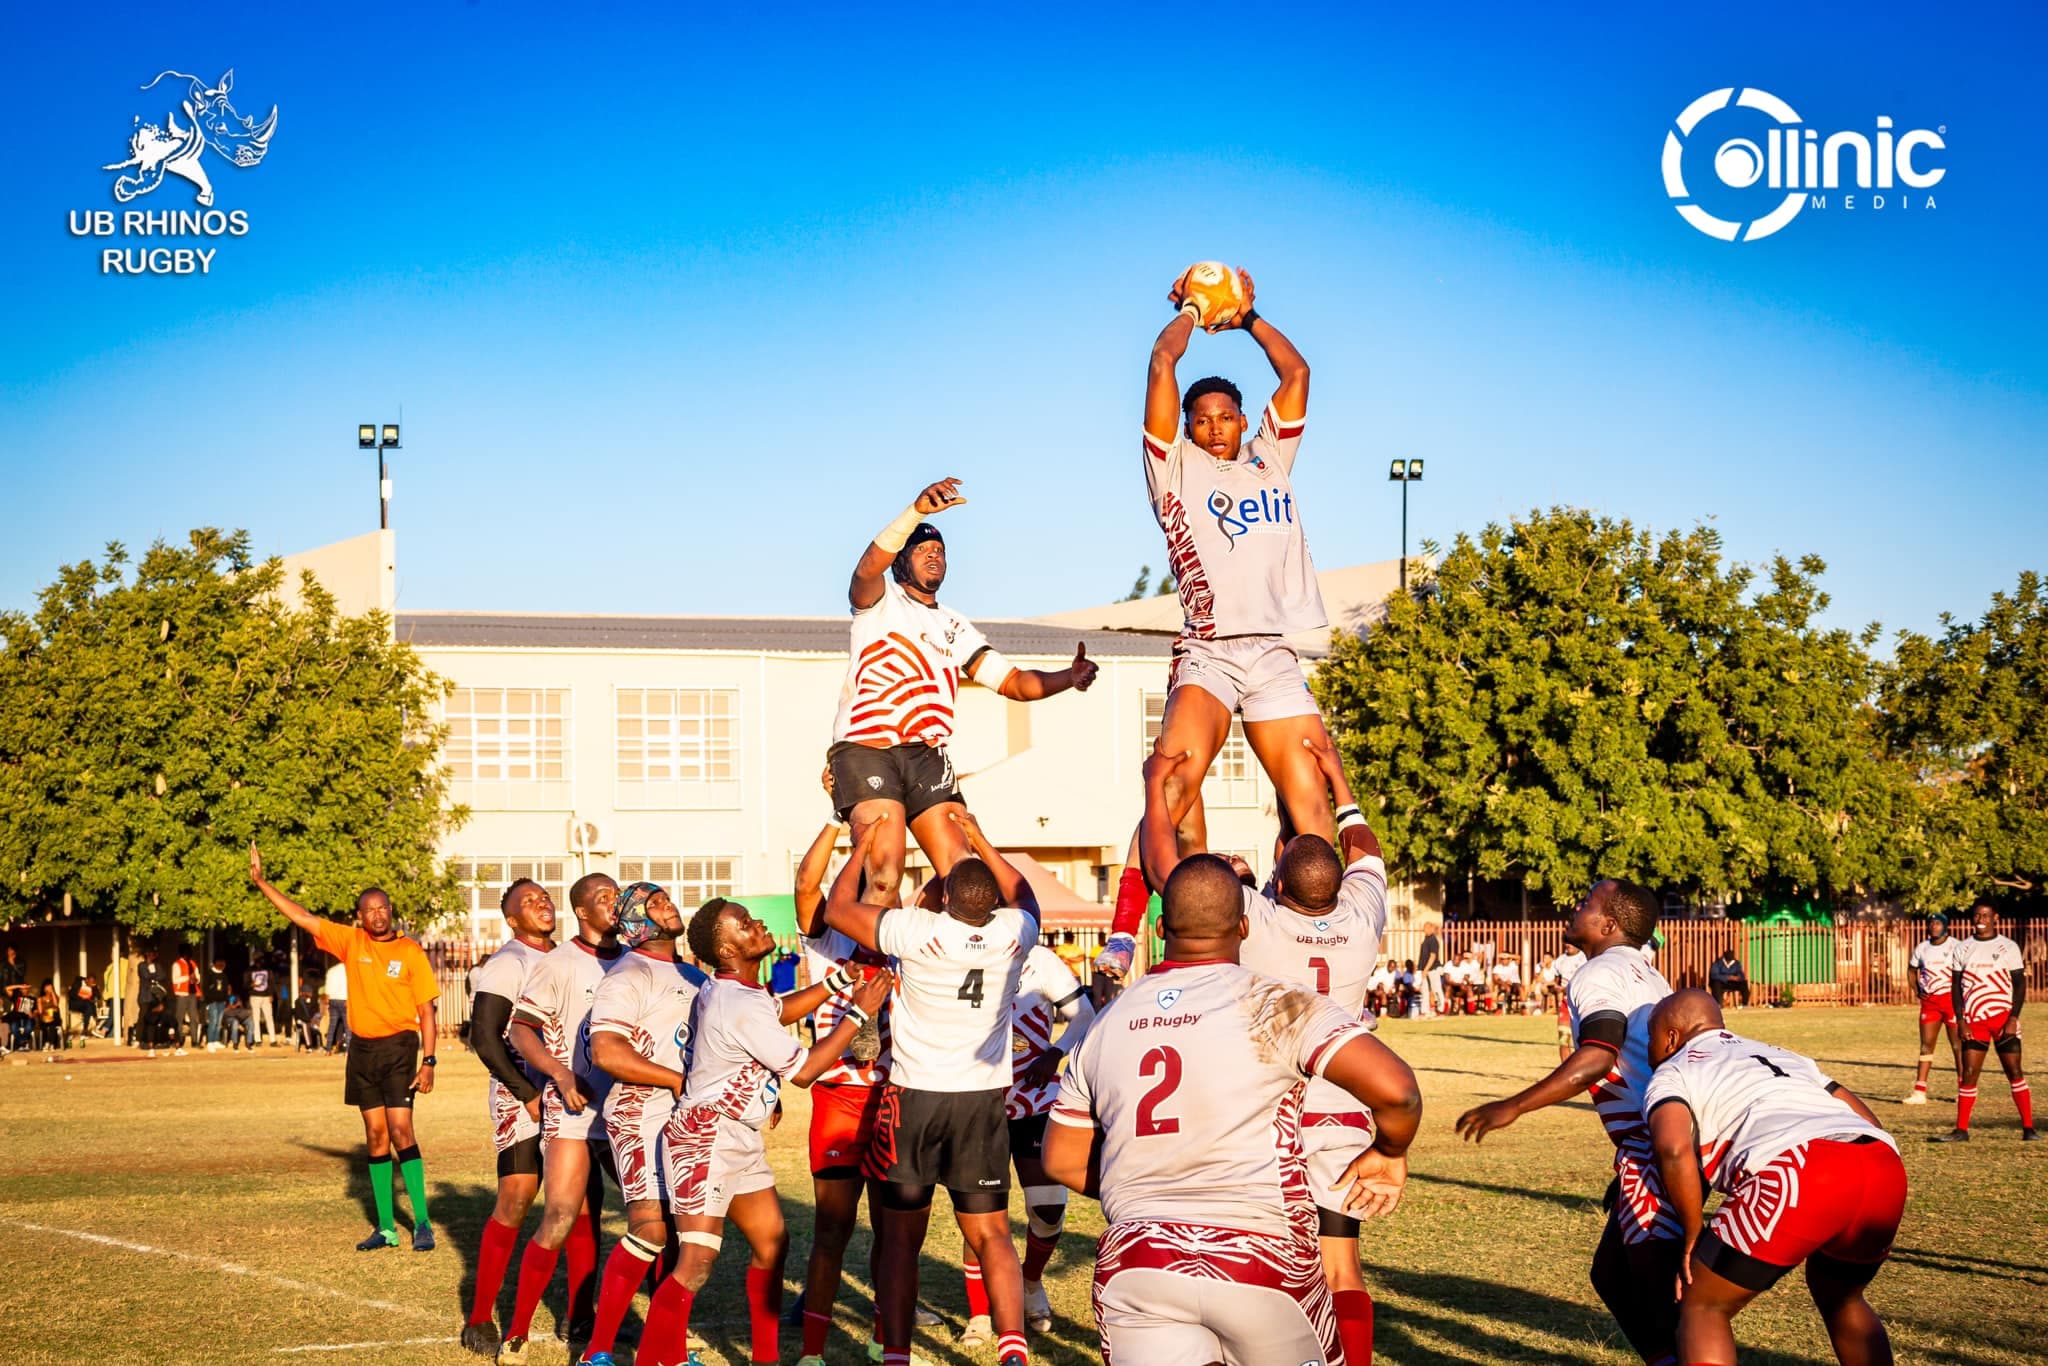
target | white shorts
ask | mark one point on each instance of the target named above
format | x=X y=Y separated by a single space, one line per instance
x=511 y=1125
x=709 y=1159
x=1258 y=677
x=556 y=1122
x=1173 y=1294
x=1329 y=1144
x=635 y=1117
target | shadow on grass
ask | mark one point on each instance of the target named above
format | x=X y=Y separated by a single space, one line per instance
x=1563 y=1199
x=1965 y=1265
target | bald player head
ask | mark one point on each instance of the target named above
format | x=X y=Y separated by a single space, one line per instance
x=1310 y=873
x=1203 y=910
x=1678 y=1018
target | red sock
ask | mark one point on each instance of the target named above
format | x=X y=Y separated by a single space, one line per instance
x=1966 y=1101
x=1011 y=1345
x=491 y=1260
x=2023 y=1096
x=665 y=1338
x=623 y=1271
x=1037 y=1252
x=1920 y=1085
x=536 y=1269
x=764 y=1313
x=816 y=1327
x=1132 y=896
x=580 y=1251
x=977 y=1293
x=1354 y=1326
x=895 y=1356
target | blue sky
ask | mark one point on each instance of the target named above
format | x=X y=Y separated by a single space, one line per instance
x=679 y=310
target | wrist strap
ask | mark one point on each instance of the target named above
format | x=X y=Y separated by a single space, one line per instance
x=1350 y=811
x=855 y=1014
x=896 y=535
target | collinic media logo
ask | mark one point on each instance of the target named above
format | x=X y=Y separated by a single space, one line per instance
x=1769 y=165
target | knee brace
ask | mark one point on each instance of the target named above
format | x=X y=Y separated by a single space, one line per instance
x=1927 y=1057
x=641 y=1249
x=710 y=1240
x=1036 y=1197
x=2008 y=1048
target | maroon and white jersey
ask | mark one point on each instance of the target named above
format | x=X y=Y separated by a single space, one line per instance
x=556 y=1001
x=504 y=974
x=1196 y=1076
x=739 y=1051
x=1619 y=982
x=1987 y=966
x=1233 y=533
x=1567 y=965
x=1934 y=966
x=954 y=986
x=1752 y=1103
x=905 y=668
x=646 y=1000
x=1331 y=954
x=824 y=951
x=1046 y=985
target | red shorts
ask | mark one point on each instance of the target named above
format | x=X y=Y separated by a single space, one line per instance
x=1986 y=1029
x=1938 y=1009
x=1830 y=1198
x=842 y=1125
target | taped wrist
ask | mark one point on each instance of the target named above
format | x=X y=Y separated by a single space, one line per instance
x=840 y=979
x=896 y=535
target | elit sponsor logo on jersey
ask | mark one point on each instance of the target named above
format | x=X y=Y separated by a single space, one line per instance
x=1269 y=514
x=1740 y=164
x=174 y=153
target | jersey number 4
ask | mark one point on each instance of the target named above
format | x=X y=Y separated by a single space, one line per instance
x=970 y=990
x=1165 y=1064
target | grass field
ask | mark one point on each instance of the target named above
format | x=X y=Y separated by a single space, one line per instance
x=204 y=1209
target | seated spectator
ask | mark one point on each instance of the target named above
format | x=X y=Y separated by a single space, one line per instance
x=49 y=1011
x=306 y=1015
x=1546 y=985
x=21 y=1023
x=83 y=1002
x=1507 y=982
x=1381 y=993
x=156 y=1028
x=237 y=1023
x=1727 y=977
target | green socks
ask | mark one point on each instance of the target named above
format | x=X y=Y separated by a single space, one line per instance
x=415 y=1175
x=380 y=1186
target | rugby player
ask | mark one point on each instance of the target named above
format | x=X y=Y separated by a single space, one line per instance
x=548 y=1031
x=1317 y=925
x=1610 y=999
x=1047 y=991
x=640 y=1038
x=943 y=1113
x=1990 y=985
x=1933 y=965
x=1809 y=1173
x=1193 y=1084
x=888 y=754
x=512 y=1096
x=716 y=1159
x=393 y=1012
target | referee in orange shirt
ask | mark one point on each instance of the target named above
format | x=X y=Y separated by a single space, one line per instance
x=392 y=1013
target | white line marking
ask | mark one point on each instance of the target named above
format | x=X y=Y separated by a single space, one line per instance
x=361 y=1346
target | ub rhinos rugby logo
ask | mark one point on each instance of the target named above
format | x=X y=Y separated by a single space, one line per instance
x=1168 y=997
x=210 y=123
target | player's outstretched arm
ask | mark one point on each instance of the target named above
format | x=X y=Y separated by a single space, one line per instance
x=866 y=589
x=1158 y=844
x=868 y=997
x=844 y=910
x=801 y=1002
x=1290 y=400
x=1035 y=685
x=1570 y=1079
x=1072 y=1156
x=1015 y=888
x=810 y=880
x=1352 y=830
x=1162 y=385
x=1673 y=1139
x=290 y=909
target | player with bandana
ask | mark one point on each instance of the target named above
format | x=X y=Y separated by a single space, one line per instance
x=1989 y=985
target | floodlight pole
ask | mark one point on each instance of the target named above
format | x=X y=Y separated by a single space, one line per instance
x=1404 y=536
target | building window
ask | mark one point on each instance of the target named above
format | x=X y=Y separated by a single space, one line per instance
x=484 y=881
x=508 y=748
x=1233 y=778
x=691 y=880
x=677 y=748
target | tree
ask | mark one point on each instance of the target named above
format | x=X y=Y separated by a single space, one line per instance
x=1142 y=587
x=1968 y=711
x=152 y=725
x=1568 y=697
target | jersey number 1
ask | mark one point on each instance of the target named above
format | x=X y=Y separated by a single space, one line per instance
x=1166 y=1063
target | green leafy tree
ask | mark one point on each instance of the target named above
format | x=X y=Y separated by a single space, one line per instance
x=1569 y=697
x=154 y=722
x=1968 y=711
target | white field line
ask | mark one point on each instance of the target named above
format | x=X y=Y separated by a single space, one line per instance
x=361 y=1346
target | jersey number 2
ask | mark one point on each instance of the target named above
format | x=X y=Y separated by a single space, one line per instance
x=970 y=990
x=1166 y=1063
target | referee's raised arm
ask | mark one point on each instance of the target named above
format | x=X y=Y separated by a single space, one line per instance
x=291 y=910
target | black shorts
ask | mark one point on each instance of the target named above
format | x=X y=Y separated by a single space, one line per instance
x=380 y=1071
x=956 y=1139
x=521 y=1159
x=1027 y=1137
x=918 y=776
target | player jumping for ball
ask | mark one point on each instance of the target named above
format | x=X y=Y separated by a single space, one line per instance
x=1990 y=986
x=909 y=654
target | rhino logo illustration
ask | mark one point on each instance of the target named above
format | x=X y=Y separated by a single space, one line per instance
x=154 y=152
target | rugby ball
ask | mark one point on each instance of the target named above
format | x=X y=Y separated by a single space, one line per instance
x=1214 y=293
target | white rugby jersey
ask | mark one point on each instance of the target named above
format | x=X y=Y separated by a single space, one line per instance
x=1046 y=985
x=1566 y=966
x=823 y=952
x=504 y=974
x=1196 y=1076
x=1987 y=966
x=1623 y=982
x=1751 y=1103
x=739 y=1051
x=646 y=1000
x=904 y=669
x=1934 y=966
x=1331 y=954
x=1233 y=534
x=954 y=986
x=556 y=1001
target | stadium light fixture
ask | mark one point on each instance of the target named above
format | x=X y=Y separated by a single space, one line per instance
x=366 y=436
x=1404 y=473
x=372 y=436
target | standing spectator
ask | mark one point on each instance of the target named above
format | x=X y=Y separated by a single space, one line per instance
x=84 y=1004
x=1429 y=969
x=261 y=1016
x=13 y=976
x=1727 y=977
x=337 y=1007
x=215 y=989
x=306 y=1015
x=50 y=1016
x=185 y=999
x=152 y=983
x=235 y=1022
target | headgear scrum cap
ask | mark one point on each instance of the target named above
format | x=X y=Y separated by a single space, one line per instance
x=635 y=928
